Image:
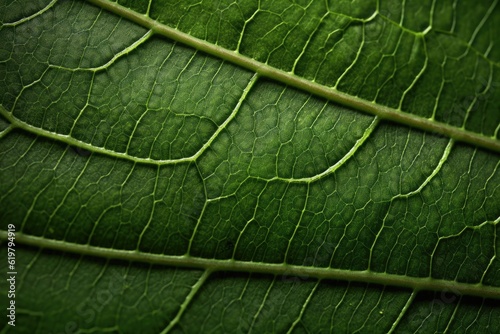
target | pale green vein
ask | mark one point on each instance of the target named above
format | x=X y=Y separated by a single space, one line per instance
x=202 y=213
x=403 y=312
x=481 y=24
x=360 y=48
x=5 y=131
x=21 y=280
x=459 y=233
x=78 y=143
x=495 y=250
x=369 y=317
x=304 y=306
x=261 y=306
x=14 y=163
x=339 y=163
x=187 y=301
x=452 y=317
x=245 y=25
x=41 y=191
x=431 y=17
x=417 y=77
x=304 y=48
x=151 y=214
x=32 y=16
x=110 y=62
x=247 y=89
x=71 y=190
x=243 y=230
x=436 y=170
x=212 y=265
x=452 y=32
x=285 y=257
x=314 y=88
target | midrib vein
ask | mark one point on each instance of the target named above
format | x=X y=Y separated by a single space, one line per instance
x=292 y=80
x=212 y=265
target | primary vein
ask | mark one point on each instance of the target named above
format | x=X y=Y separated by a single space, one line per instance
x=212 y=265
x=290 y=79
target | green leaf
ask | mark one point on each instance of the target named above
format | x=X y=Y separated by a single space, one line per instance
x=267 y=166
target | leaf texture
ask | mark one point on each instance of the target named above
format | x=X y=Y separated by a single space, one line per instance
x=257 y=166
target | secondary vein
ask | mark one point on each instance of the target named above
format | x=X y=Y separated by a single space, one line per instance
x=290 y=79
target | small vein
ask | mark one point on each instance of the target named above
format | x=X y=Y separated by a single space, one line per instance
x=436 y=170
x=151 y=214
x=247 y=89
x=304 y=306
x=403 y=312
x=311 y=35
x=452 y=317
x=6 y=131
x=354 y=61
x=237 y=243
x=261 y=306
x=110 y=62
x=339 y=163
x=480 y=25
x=417 y=77
x=32 y=16
x=196 y=287
x=298 y=224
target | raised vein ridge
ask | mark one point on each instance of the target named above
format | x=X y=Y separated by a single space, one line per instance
x=211 y=265
x=290 y=79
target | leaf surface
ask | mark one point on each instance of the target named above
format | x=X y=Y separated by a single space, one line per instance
x=270 y=166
